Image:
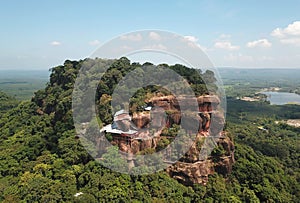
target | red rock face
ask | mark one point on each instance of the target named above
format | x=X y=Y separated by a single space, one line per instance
x=191 y=173
x=141 y=120
x=190 y=169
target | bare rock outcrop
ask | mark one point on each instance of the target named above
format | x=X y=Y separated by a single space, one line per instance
x=191 y=173
x=192 y=168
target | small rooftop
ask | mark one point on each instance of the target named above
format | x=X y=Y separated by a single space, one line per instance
x=122 y=111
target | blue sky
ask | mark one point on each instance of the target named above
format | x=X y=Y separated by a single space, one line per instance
x=42 y=34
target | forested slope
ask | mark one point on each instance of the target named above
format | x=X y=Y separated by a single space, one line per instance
x=42 y=161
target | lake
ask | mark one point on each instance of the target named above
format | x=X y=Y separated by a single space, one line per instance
x=281 y=98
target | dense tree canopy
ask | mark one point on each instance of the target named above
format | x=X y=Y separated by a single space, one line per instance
x=42 y=161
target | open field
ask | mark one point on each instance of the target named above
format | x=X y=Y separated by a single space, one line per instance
x=22 y=84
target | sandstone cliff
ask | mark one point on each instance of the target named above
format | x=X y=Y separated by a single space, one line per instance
x=198 y=162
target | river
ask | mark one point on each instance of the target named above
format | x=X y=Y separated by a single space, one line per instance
x=281 y=98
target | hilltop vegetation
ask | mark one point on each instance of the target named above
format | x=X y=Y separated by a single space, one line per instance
x=41 y=161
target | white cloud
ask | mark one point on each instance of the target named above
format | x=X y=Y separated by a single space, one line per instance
x=55 y=43
x=226 y=45
x=277 y=33
x=292 y=29
x=132 y=37
x=193 y=42
x=94 y=42
x=154 y=36
x=293 y=41
x=156 y=46
x=191 y=38
x=259 y=43
x=289 y=34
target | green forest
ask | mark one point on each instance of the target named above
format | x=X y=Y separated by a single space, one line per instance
x=42 y=161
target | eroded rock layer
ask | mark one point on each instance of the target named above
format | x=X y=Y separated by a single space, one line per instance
x=151 y=125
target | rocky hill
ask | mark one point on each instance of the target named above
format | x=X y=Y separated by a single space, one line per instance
x=42 y=159
x=153 y=119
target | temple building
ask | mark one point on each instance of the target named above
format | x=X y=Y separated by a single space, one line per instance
x=121 y=129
